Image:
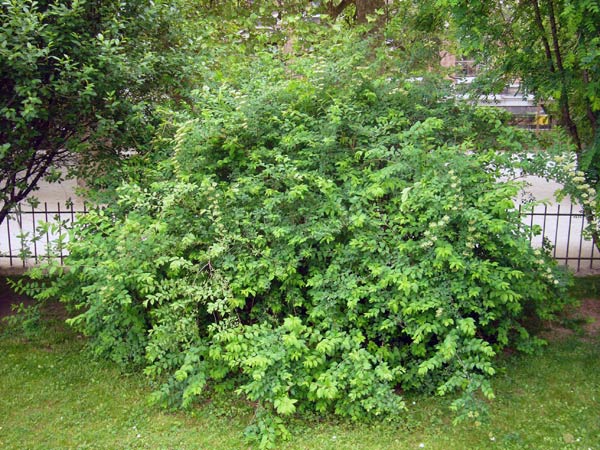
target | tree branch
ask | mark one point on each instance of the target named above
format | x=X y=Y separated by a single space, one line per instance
x=542 y=29
x=588 y=108
x=564 y=98
x=335 y=10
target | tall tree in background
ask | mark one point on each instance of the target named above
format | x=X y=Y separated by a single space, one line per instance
x=74 y=78
x=553 y=47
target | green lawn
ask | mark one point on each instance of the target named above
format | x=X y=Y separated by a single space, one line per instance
x=53 y=397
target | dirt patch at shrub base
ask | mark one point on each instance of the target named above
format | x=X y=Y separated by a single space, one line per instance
x=590 y=311
x=583 y=321
x=8 y=297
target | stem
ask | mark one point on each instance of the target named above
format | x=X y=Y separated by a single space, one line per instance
x=335 y=10
x=590 y=216
x=588 y=108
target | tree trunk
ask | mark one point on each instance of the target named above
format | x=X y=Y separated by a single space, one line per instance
x=3 y=214
x=364 y=8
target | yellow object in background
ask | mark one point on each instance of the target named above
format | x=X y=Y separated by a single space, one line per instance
x=543 y=119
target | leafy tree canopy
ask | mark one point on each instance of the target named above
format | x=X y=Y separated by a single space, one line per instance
x=76 y=79
x=553 y=48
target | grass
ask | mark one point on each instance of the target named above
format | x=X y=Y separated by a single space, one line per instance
x=52 y=396
x=586 y=287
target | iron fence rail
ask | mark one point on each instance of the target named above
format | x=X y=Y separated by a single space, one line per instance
x=563 y=228
x=24 y=242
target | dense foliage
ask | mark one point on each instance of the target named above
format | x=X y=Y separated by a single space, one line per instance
x=78 y=85
x=553 y=48
x=322 y=238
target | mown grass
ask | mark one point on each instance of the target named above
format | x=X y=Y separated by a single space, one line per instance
x=53 y=396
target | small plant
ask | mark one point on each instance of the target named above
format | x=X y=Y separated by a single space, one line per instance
x=26 y=320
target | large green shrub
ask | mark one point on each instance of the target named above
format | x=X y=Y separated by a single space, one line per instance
x=323 y=238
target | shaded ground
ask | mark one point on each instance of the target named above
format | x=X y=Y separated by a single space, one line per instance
x=583 y=321
x=590 y=312
x=9 y=297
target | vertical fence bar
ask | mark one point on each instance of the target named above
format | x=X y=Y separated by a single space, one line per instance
x=531 y=226
x=592 y=253
x=569 y=235
x=580 y=243
x=521 y=216
x=544 y=223
x=22 y=251
x=47 y=231
x=73 y=213
x=33 y=222
x=59 y=217
x=556 y=231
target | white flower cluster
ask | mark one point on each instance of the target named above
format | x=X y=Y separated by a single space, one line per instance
x=471 y=241
x=457 y=201
x=429 y=239
x=429 y=235
x=581 y=190
x=547 y=274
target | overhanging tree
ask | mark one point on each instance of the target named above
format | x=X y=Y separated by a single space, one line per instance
x=553 y=48
x=73 y=79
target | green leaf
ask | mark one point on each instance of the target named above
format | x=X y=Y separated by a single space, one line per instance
x=285 y=405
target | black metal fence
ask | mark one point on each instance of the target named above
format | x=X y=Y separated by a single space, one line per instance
x=29 y=234
x=564 y=229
